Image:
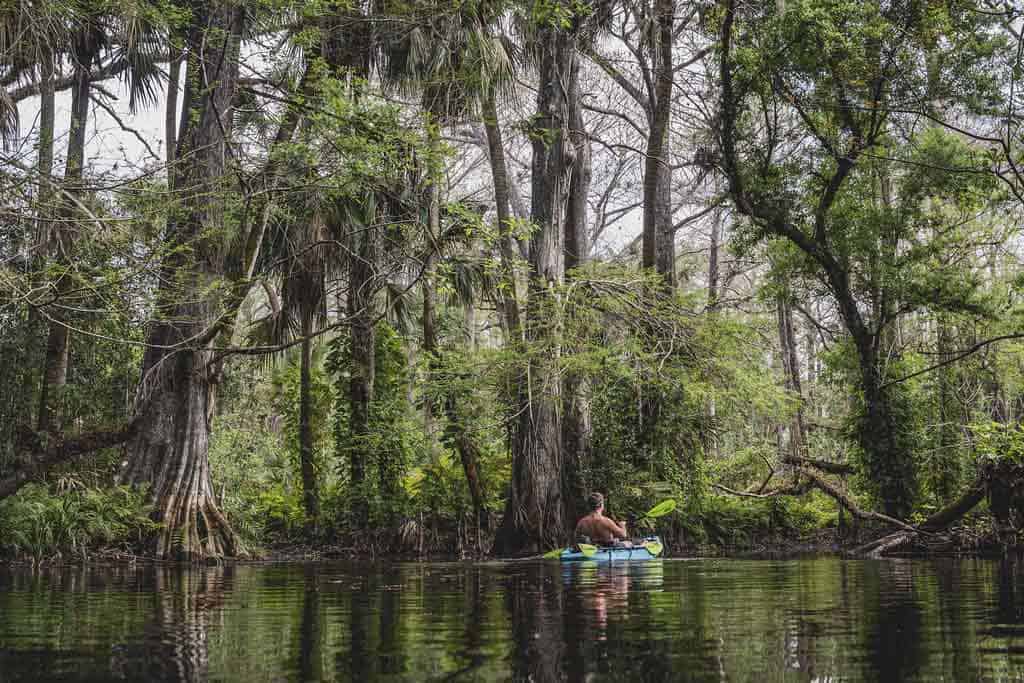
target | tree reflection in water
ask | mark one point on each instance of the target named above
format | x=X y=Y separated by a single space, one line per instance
x=535 y=601
x=175 y=642
x=702 y=620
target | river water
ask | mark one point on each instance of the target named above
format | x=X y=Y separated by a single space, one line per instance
x=688 y=620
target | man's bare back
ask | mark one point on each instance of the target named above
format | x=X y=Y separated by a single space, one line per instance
x=600 y=529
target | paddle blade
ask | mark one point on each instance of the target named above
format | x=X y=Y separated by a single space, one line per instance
x=653 y=547
x=661 y=509
x=553 y=554
x=588 y=550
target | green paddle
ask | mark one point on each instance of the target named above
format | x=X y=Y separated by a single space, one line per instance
x=585 y=548
x=653 y=547
x=661 y=509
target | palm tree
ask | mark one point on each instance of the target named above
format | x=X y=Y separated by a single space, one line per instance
x=132 y=37
x=452 y=61
x=303 y=254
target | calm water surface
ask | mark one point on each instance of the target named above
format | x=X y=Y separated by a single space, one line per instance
x=686 y=620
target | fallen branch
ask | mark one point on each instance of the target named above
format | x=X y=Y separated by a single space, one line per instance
x=812 y=480
x=37 y=457
x=936 y=523
x=792 y=490
x=840 y=496
x=823 y=465
x=939 y=521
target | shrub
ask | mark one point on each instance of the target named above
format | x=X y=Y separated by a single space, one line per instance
x=40 y=524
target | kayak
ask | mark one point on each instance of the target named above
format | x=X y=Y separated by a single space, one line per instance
x=648 y=549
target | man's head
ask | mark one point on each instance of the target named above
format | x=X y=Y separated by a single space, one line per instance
x=596 y=501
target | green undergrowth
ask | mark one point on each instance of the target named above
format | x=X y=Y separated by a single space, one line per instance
x=732 y=523
x=40 y=524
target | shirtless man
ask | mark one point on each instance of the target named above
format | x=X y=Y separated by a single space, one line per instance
x=600 y=529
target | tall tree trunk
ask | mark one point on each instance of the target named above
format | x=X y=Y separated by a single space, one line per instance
x=457 y=437
x=362 y=269
x=890 y=466
x=45 y=196
x=791 y=373
x=656 y=163
x=946 y=479
x=47 y=121
x=427 y=281
x=169 y=454
x=576 y=425
x=58 y=342
x=535 y=512
x=506 y=245
x=658 y=248
x=665 y=262
x=310 y=494
x=712 y=306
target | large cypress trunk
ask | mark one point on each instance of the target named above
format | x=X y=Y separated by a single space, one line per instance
x=535 y=512
x=169 y=455
x=576 y=425
x=174 y=403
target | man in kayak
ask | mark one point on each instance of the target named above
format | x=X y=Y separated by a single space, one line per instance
x=598 y=528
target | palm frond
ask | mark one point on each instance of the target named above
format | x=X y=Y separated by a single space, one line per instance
x=400 y=307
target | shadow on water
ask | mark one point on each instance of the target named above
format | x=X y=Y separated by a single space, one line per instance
x=703 y=620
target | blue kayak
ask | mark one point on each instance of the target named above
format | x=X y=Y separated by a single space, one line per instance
x=648 y=549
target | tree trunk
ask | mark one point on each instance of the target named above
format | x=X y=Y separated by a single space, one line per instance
x=666 y=241
x=889 y=465
x=310 y=494
x=947 y=473
x=535 y=512
x=47 y=121
x=55 y=369
x=362 y=268
x=577 y=237
x=427 y=282
x=713 y=274
x=459 y=439
x=711 y=443
x=174 y=404
x=791 y=372
x=656 y=162
x=507 y=248
x=576 y=424
x=169 y=455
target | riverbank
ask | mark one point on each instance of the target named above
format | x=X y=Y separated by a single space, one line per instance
x=975 y=536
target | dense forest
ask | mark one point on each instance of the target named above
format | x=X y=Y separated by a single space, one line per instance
x=415 y=277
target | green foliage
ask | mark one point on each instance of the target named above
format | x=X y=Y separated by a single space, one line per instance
x=394 y=438
x=999 y=442
x=39 y=524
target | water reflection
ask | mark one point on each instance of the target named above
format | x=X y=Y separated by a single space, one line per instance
x=705 y=620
